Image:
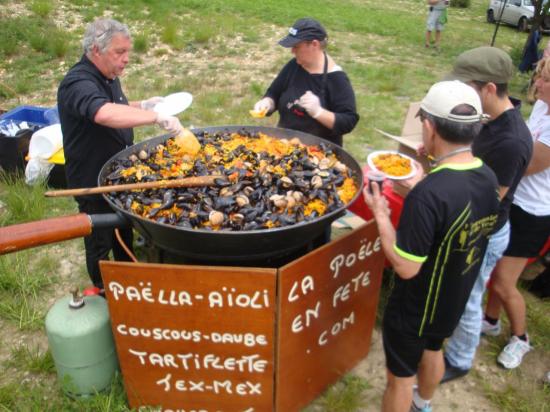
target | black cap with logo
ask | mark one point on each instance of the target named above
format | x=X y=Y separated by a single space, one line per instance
x=304 y=30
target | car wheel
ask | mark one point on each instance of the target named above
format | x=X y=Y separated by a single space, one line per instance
x=490 y=16
x=522 y=24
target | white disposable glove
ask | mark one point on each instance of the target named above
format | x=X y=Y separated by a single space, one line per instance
x=312 y=104
x=169 y=123
x=150 y=103
x=264 y=105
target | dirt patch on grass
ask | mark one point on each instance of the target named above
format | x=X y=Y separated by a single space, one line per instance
x=15 y=9
x=251 y=61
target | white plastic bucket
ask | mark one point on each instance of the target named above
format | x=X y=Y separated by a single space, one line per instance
x=46 y=141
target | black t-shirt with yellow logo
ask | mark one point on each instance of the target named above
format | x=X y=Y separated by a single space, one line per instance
x=445 y=224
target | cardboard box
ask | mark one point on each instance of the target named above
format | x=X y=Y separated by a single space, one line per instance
x=409 y=141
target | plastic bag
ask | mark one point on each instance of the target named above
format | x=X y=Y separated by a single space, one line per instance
x=37 y=170
x=443 y=17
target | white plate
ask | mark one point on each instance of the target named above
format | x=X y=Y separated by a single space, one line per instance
x=174 y=103
x=371 y=164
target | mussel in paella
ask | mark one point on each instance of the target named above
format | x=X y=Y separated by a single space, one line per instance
x=265 y=182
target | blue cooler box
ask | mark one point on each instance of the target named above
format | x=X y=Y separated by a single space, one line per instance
x=14 y=149
x=30 y=114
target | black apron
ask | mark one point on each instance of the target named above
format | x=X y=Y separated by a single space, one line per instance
x=293 y=116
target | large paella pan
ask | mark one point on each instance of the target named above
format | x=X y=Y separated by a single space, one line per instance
x=236 y=237
x=242 y=239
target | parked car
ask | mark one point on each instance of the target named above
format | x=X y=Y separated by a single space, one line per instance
x=517 y=13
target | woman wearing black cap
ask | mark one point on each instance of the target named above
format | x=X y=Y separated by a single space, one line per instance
x=311 y=93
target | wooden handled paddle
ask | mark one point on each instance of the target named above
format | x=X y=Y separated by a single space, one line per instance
x=193 y=181
x=44 y=232
x=26 y=235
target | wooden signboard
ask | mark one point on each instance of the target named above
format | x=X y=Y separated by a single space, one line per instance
x=327 y=309
x=198 y=338
x=193 y=338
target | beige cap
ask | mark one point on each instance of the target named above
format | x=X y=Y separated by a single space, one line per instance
x=444 y=97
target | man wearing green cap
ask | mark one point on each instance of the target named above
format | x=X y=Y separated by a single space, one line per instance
x=505 y=145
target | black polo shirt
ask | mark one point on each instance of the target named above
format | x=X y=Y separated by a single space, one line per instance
x=505 y=145
x=88 y=145
x=445 y=225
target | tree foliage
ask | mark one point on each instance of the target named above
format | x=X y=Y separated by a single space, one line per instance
x=541 y=17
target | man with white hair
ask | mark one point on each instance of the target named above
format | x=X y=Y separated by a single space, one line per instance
x=438 y=247
x=96 y=121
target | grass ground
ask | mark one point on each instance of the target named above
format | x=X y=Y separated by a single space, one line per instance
x=225 y=54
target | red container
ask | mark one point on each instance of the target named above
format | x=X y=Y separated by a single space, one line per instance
x=360 y=208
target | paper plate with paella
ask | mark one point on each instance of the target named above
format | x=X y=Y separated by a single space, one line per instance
x=396 y=166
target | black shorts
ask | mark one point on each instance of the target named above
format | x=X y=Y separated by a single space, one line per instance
x=404 y=351
x=528 y=233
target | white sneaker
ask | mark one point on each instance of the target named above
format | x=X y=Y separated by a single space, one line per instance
x=490 y=330
x=414 y=408
x=513 y=353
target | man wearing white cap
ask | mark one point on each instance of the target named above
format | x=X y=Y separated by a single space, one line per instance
x=438 y=247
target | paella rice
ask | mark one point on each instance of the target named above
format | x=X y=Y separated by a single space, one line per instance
x=393 y=164
x=265 y=182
